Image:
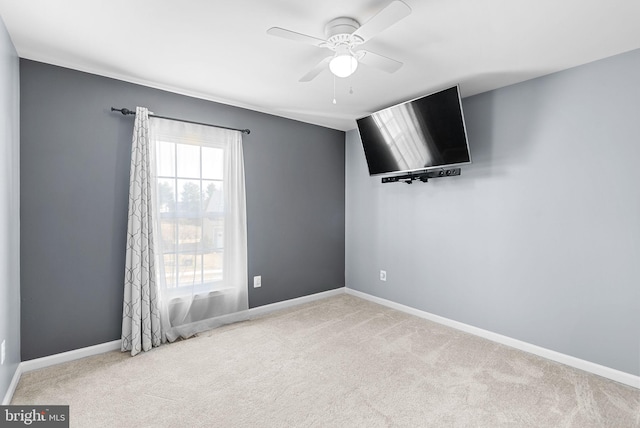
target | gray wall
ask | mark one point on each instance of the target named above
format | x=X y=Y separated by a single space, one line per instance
x=75 y=171
x=539 y=238
x=9 y=209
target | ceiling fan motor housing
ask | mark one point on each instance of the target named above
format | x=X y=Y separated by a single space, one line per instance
x=339 y=31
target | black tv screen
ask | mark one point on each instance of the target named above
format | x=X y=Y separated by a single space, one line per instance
x=425 y=133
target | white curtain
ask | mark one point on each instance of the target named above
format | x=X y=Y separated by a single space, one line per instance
x=202 y=249
x=141 y=327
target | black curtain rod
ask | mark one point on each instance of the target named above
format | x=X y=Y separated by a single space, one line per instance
x=126 y=111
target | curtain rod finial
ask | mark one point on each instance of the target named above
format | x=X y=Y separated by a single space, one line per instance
x=124 y=111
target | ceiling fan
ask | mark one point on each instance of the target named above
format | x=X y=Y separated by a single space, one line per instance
x=344 y=35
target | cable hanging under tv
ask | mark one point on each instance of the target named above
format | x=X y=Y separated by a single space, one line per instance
x=423 y=176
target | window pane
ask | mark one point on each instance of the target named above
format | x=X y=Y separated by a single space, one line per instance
x=189 y=235
x=212 y=163
x=213 y=266
x=166 y=159
x=166 y=195
x=167 y=233
x=189 y=198
x=213 y=233
x=212 y=196
x=189 y=273
x=188 y=161
x=170 y=270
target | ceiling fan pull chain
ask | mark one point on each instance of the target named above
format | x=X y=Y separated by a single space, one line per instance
x=334 y=89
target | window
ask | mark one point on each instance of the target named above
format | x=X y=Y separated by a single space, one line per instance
x=200 y=224
x=192 y=217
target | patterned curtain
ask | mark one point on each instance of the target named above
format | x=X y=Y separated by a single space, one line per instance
x=141 y=328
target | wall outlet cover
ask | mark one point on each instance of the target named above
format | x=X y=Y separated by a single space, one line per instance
x=383 y=275
x=257 y=281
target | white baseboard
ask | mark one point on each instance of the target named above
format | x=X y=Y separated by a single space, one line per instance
x=12 y=386
x=52 y=360
x=263 y=310
x=272 y=307
x=607 y=372
x=212 y=323
x=64 y=357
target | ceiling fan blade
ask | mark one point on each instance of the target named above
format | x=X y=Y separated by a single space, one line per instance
x=378 y=61
x=394 y=12
x=298 y=37
x=319 y=68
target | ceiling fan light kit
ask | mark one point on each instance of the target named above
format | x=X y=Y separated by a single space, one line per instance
x=344 y=35
x=344 y=63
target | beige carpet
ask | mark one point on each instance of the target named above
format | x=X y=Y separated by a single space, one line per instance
x=338 y=362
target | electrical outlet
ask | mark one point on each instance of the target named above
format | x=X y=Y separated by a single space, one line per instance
x=3 y=352
x=383 y=275
x=257 y=281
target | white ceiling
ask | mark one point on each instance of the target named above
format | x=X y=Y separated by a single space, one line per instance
x=219 y=50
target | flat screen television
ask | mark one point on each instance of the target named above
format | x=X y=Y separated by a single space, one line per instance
x=418 y=135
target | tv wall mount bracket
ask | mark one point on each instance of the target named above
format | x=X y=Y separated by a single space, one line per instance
x=423 y=176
